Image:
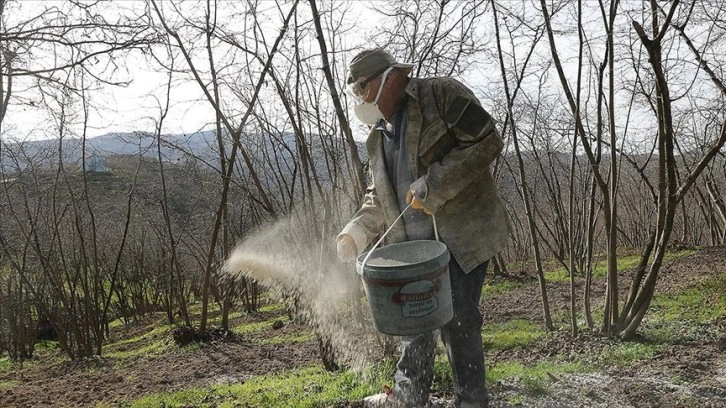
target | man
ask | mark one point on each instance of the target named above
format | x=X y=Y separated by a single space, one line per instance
x=430 y=145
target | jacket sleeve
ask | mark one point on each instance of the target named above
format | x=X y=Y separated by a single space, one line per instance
x=476 y=145
x=367 y=222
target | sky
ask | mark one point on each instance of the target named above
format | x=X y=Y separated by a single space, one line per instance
x=138 y=105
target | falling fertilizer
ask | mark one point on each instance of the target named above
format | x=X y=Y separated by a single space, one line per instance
x=285 y=259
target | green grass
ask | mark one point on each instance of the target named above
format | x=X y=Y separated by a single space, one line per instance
x=46 y=345
x=160 y=331
x=673 y=255
x=536 y=378
x=304 y=388
x=701 y=304
x=626 y=353
x=159 y=339
x=5 y=363
x=6 y=385
x=256 y=327
x=45 y=352
x=155 y=349
x=688 y=401
x=218 y=318
x=498 y=288
x=599 y=269
x=515 y=400
x=115 y=324
x=272 y=308
x=687 y=314
x=512 y=334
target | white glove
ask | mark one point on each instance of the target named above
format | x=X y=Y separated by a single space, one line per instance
x=347 y=251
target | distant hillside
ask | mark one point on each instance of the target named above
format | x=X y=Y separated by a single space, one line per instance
x=275 y=157
x=17 y=156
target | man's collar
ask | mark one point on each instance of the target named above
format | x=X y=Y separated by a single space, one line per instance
x=384 y=127
x=412 y=88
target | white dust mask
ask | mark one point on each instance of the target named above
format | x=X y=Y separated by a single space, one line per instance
x=368 y=112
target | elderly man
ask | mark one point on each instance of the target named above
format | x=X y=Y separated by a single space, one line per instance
x=431 y=145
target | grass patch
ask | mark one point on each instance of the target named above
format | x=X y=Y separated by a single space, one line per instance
x=218 y=319
x=272 y=308
x=256 y=327
x=512 y=334
x=625 y=353
x=559 y=275
x=161 y=331
x=515 y=400
x=686 y=315
x=600 y=267
x=5 y=363
x=498 y=288
x=673 y=255
x=701 y=304
x=305 y=388
x=156 y=328
x=154 y=349
x=46 y=345
x=6 y=385
x=195 y=345
x=116 y=324
x=443 y=378
x=535 y=378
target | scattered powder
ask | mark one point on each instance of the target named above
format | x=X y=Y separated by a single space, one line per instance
x=293 y=264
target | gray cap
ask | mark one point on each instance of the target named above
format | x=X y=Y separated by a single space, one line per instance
x=368 y=62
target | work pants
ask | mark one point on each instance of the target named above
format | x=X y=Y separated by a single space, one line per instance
x=463 y=341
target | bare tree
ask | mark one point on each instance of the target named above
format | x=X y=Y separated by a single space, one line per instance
x=669 y=190
x=44 y=64
x=234 y=130
x=512 y=126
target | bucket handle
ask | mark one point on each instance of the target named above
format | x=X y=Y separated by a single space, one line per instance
x=365 y=260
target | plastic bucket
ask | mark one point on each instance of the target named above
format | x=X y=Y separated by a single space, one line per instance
x=407 y=285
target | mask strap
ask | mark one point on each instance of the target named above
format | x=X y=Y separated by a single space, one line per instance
x=383 y=81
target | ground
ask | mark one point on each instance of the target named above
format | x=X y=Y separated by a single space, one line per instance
x=691 y=372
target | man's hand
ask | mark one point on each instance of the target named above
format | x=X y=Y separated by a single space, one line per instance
x=415 y=203
x=347 y=251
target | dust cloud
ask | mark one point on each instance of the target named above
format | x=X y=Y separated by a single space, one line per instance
x=299 y=266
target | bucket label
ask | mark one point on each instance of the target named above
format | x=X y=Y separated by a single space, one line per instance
x=418 y=298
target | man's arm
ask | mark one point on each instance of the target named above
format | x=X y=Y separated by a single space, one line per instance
x=367 y=221
x=477 y=145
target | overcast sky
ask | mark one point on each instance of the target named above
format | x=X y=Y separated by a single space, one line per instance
x=137 y=106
